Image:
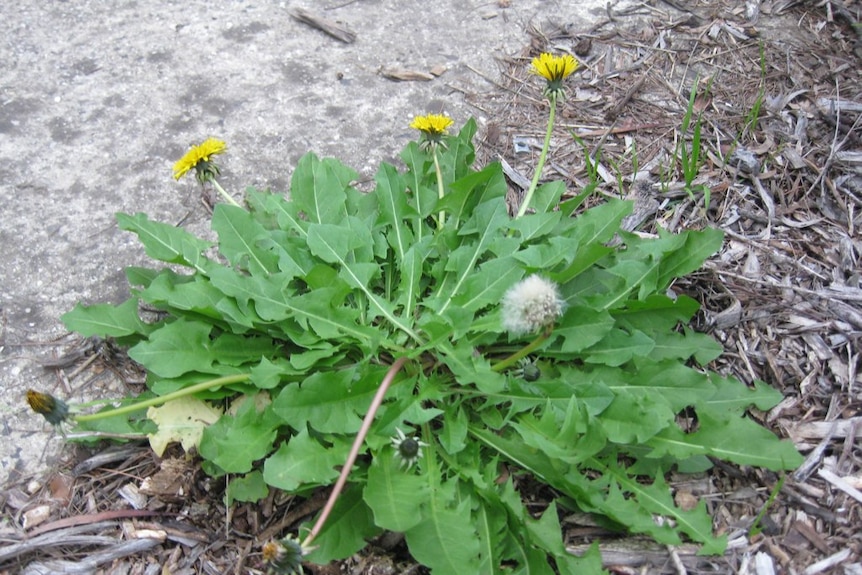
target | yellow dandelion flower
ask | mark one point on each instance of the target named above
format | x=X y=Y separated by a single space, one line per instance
x=433 y=128
x=432 y=125
x=554 y=69
x=199 y=159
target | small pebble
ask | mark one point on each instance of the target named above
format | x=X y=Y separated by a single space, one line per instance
x=33 y=487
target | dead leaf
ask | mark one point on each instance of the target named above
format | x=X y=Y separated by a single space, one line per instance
x=182 y=420
x=170 y=482
x=685 y=500
x=61 y=488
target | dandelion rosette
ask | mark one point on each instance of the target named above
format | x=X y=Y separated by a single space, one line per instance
x=433 y=128
x=198 y=158
x=530 y=305
x=554 y=69
x=54 y=410
x=407 y=449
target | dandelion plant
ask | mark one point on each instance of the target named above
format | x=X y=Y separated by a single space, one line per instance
x=434 y=357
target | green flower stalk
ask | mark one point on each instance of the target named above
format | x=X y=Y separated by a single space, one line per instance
x=554 y=69
x=206 y=170
x=531 y=305
x=516 y=357
x=56 y=411
x=433 y=128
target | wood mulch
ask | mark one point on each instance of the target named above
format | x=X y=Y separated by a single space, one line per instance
x=784 y=295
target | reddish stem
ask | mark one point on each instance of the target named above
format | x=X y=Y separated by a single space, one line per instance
x=354 y=450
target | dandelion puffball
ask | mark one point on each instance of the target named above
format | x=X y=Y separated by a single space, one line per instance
x=530 y=305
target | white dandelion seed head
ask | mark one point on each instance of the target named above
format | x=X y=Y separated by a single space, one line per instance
x=530 y=305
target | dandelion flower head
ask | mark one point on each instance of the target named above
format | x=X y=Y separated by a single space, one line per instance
x=199 y=158
x=554 y=69
x=432 y=125
x=530 y=305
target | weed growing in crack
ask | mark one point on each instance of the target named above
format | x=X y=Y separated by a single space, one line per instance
x=333 y=321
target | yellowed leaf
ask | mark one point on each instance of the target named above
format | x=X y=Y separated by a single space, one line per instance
x=262 y=400
x=182 y=420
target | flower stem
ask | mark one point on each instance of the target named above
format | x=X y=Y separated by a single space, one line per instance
x=354 y=449
x=192 y=389
x=523 y=352
x=529 y=195
x=223 y=193
x=442 y=217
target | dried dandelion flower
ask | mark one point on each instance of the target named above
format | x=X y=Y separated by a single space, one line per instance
x=407 y=449
x=527 y=369
x=284 y=557
x=54 y=410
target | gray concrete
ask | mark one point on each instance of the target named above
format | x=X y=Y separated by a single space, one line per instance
x=98 y=99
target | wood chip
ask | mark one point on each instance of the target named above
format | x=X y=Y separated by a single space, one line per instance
x=794 y=158
x=763 y=564
x=809 y=532
x=130 y=493
x=405 y=75
x=827 y=563
x=830 y=105
x=821 y=429
x=839 y=483
x=36 y=516
x=170 y=482
x=636 y=552
x=148 y=534
x=815 y=341
x=330 y=27
x=849 y=159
